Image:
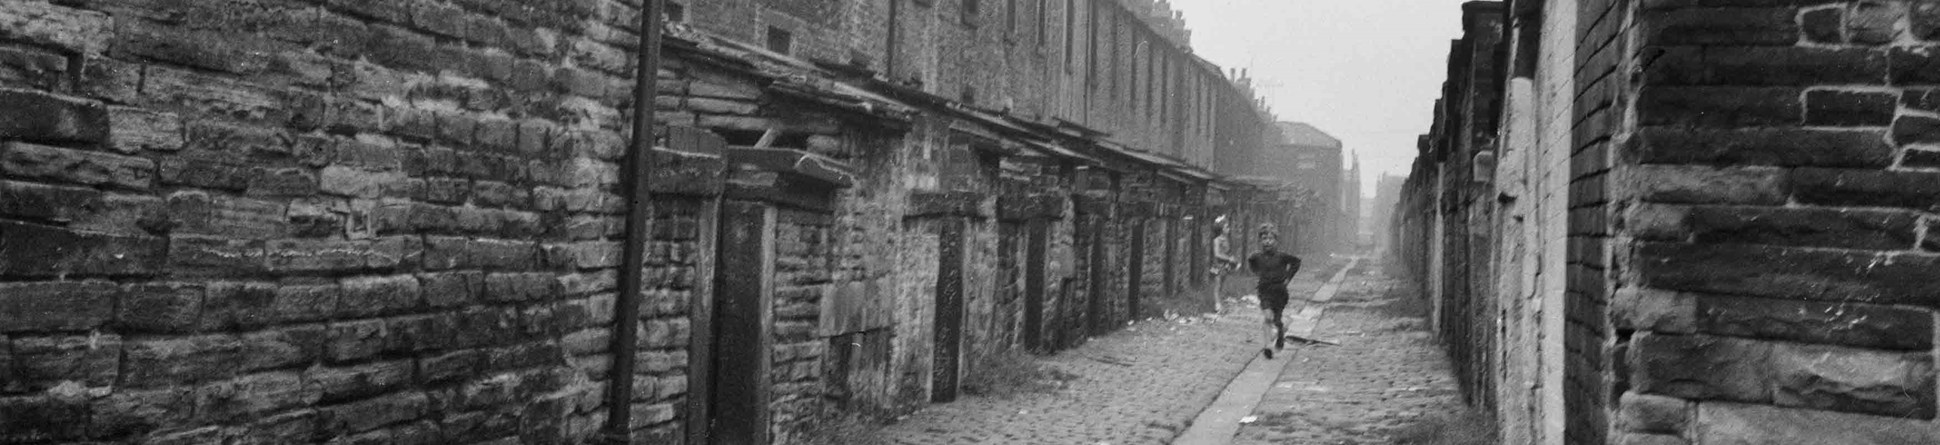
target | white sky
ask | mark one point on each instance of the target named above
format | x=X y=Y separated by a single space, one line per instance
x=1365 y=71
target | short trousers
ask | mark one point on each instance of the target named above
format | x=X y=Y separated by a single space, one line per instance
x=1274 y=298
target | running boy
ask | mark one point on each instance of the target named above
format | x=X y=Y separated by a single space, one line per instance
x=1274 y=269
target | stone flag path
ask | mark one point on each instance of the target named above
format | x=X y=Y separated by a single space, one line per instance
x=1142 y=385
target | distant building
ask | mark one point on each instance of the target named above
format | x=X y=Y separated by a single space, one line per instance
x=1310 y=159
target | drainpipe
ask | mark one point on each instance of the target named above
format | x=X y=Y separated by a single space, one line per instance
x=639 y=171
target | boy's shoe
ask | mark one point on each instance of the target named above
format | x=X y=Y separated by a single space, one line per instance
x=1268 y=352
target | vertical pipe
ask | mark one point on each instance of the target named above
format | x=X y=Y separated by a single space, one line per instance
x=639 y=169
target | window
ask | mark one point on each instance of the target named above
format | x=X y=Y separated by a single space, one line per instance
x=1112 y=89
x=1010 y=18
x=1070 y=34
x=1133 y=72
x=1043 y=21
x=675 y=13
x=1091 y=52
x=1161 y=95
x=1165 y=88
x=972 y=10
x=1152 y=82
x=780 y=41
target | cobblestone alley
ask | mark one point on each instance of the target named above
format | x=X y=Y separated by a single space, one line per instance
x=1146 y=384
x=1386 y=376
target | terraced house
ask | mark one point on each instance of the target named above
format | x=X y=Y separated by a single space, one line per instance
x=430 y=221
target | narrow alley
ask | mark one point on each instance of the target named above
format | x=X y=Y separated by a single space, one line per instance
x=1385 y=380
x=917 y=222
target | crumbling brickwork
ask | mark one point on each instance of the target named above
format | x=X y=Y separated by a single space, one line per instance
x=310 y=221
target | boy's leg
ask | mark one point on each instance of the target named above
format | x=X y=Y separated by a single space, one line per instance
x=1279 y=327
x=1267 y=329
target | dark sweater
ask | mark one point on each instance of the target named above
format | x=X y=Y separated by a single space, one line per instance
x=1274 y=267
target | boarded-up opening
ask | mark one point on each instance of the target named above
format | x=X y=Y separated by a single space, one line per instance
x=859 y=371
x=1100 y=275
x=946 y=369
x=738 y=391
x=1036 y=243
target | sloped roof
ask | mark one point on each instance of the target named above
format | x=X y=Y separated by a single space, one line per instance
x=1299 y=133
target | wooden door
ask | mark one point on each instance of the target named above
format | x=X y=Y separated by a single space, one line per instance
x=744 y=281
x=1035 y=245
x=947 y=367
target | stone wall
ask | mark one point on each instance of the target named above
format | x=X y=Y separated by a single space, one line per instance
x=1743 y=228
x=311 y=221
x=295 y=221
x=1828 y=106
x=802 y=276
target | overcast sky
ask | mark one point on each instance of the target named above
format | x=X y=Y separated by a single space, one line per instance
x=1365 y=71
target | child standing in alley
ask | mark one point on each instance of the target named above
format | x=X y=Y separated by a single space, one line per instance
x=1223 y=262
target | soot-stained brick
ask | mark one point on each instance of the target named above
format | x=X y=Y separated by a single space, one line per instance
x=1850 y=108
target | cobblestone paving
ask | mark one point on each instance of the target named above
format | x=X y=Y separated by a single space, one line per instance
x=1386 y=374
x=1142 y=385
